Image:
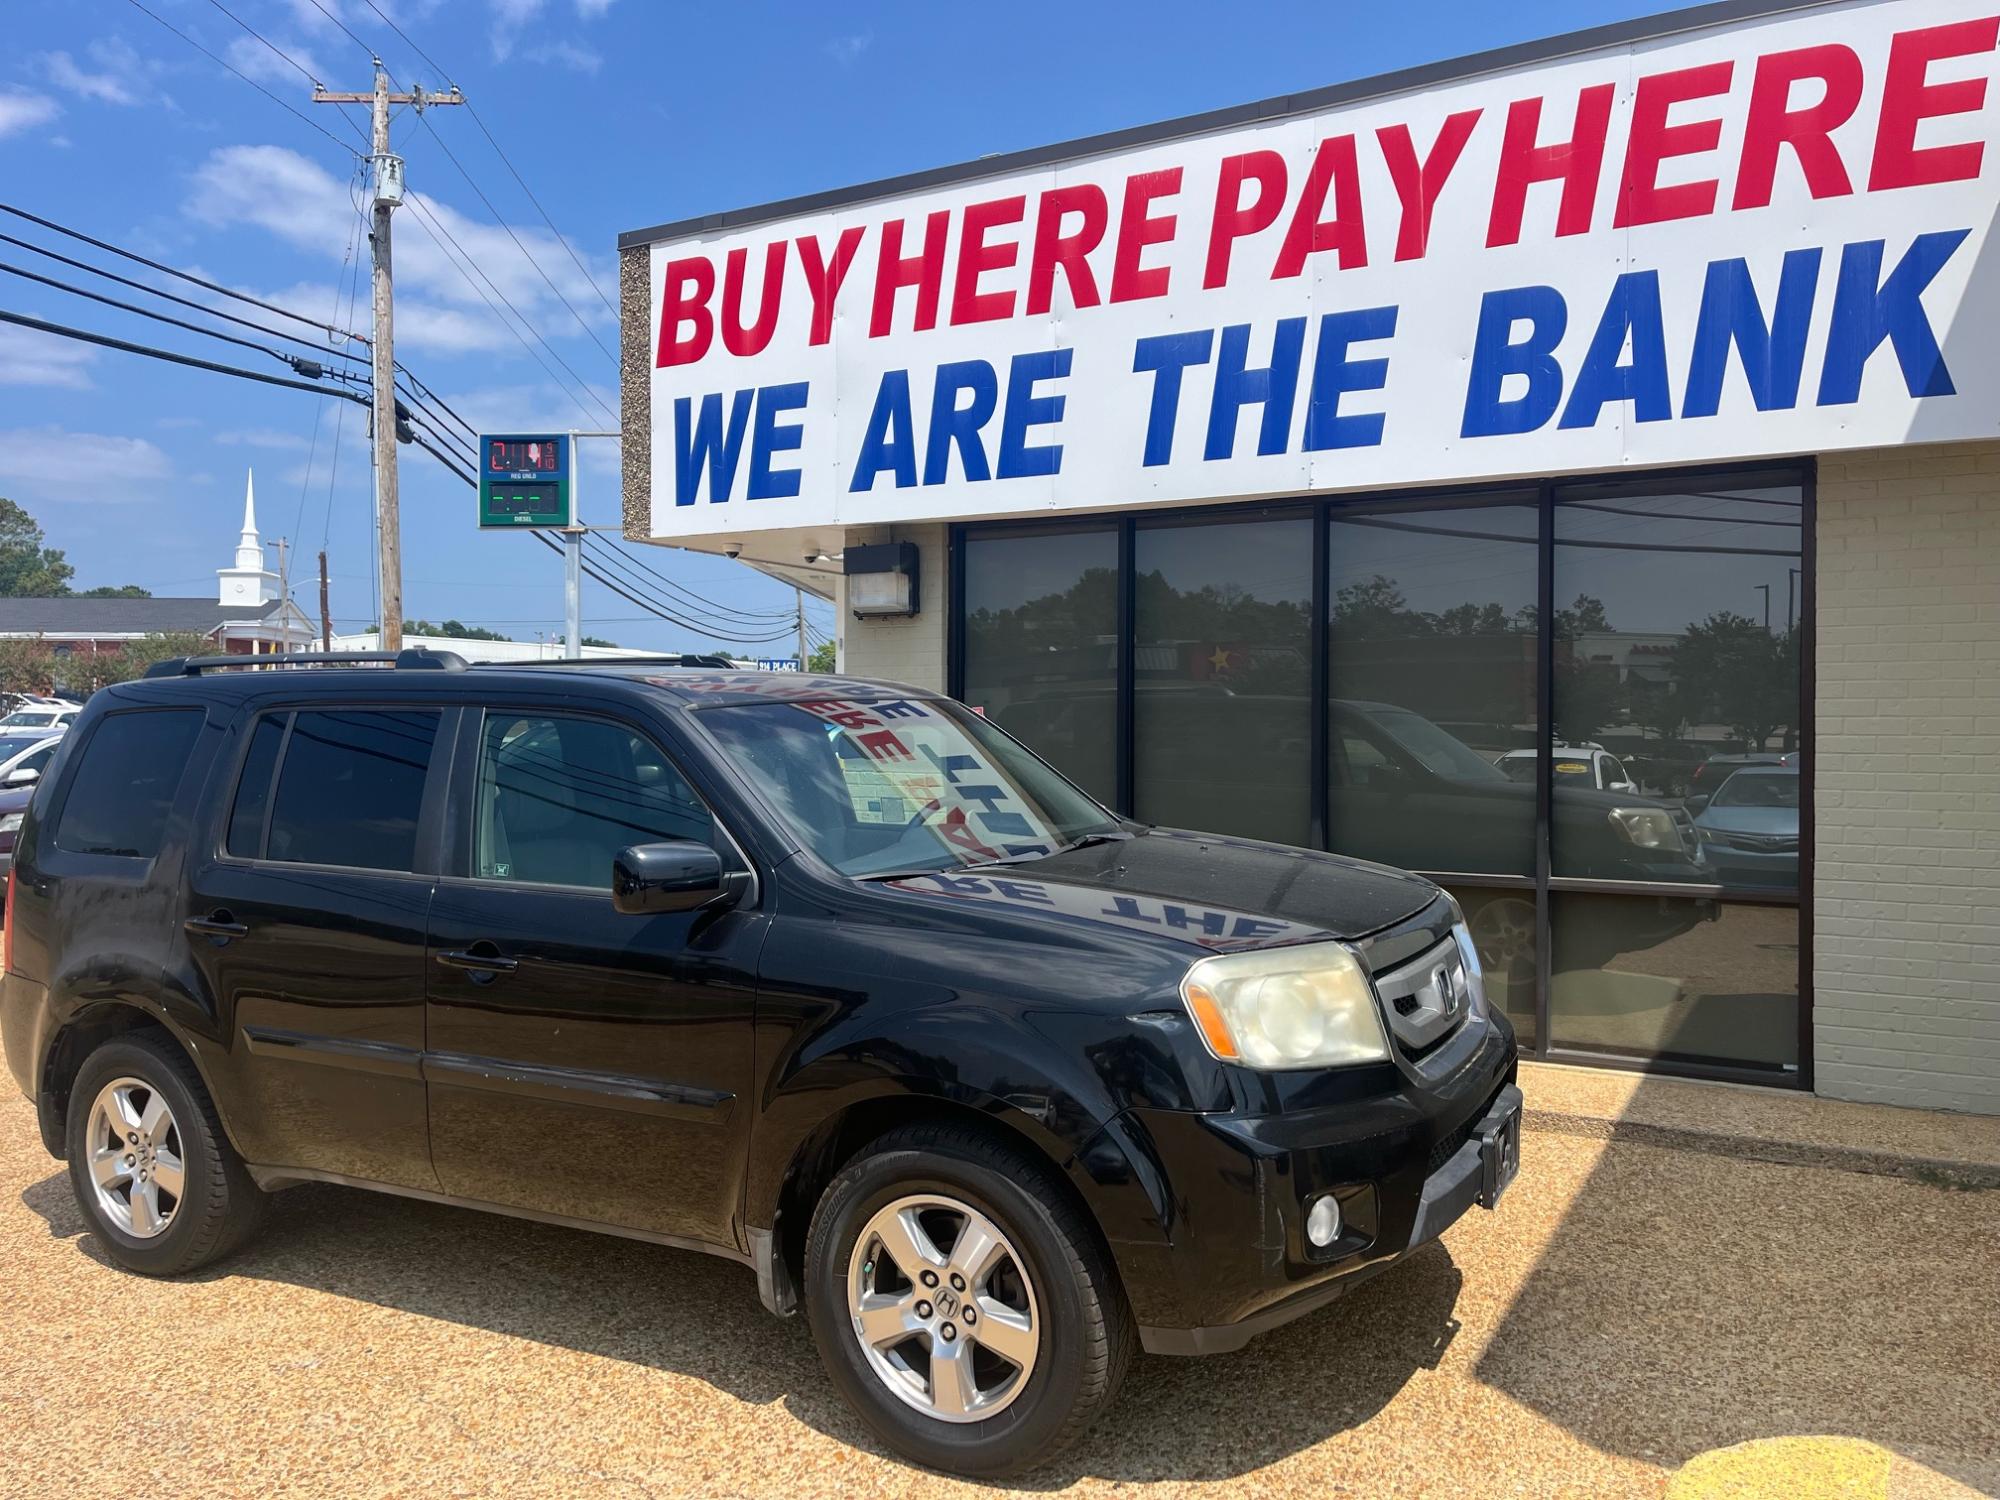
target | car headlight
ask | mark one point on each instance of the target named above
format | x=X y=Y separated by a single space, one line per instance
x=1646 y=827
x=11 y=823
x=1475 y=976
x=1309 y=1006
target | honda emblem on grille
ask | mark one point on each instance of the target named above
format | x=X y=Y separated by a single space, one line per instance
x=1447 y=991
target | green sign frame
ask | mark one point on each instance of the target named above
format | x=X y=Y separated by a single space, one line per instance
x=524 y=480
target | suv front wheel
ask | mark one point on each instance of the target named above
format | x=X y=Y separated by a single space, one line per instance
x=962 y=1303
x=155 y=1176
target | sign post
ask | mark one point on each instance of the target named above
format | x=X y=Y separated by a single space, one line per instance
x=531 y=481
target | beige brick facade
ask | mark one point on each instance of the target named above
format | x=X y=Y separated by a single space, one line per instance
x=912 y=650
x=1906 y=949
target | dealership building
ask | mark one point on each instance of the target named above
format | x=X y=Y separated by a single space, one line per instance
x=1572 y=472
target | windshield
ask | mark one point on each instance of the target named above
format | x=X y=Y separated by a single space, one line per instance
x=1441 y=752
x=1568 y=768
x=908 y=785
x=27 y=718
x=1759 y=789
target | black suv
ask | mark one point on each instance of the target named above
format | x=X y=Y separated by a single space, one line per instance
x=829 y=977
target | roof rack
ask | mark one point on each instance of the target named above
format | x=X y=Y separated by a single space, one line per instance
x=685 y=659
x=415 y=659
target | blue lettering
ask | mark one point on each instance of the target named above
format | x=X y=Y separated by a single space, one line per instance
x=712 y=445
x=891 y=439
x=951 y=423
x=1495 y=356
x=1274 y=388
x=1167 y=355
x=1334 y=375
x=1124 y=906
x=1212 y=923
x=1867 y=310
x=1025 y=410
x=1632 y=314
x=1773 y=354
x=1020 y=890
x=767 y=437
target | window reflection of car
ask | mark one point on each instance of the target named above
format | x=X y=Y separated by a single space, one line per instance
x=1576 y=765
x=1717 y=769
x=1750 y=826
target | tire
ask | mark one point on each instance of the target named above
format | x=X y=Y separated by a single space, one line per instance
x=218 y=1206
x=1052 y=1273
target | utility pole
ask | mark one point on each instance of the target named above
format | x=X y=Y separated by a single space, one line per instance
x=325 y=619
x=388 y=173
x=804 y=659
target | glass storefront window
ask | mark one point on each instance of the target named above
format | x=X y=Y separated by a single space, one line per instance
x=1690 y=979
x=1041 y=645
x=1677 y=647
x=1431 y=661
x=1503 y=928
x=1222 y=654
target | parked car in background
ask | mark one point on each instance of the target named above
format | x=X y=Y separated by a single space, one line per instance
x=828 y=977
x=1575 y=765
x=1750 y=826
x=1717 y=769
x=51 y=715
x=13 y=804
x=23 y=758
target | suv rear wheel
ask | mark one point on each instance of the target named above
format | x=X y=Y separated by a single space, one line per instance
x=160 y=1184
x=962 y=1303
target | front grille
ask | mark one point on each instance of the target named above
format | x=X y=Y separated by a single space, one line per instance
x=1428 y=997
x=1447 y=1148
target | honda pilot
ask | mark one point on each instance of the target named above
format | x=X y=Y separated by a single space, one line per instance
x=828 y=977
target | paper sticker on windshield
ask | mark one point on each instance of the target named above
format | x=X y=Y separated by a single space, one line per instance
x=1572 y=768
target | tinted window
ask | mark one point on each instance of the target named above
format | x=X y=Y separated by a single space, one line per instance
x=1431 y=656
x=37 y=760
x=1222 y=717
x=1041 y=653
x=559 y=797
x=119 y=798
x=350 y=787
x=253 y=790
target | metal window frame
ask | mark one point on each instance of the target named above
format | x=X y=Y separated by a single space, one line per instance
x=1545 y=884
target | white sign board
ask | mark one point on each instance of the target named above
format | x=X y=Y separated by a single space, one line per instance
x=1761 y=239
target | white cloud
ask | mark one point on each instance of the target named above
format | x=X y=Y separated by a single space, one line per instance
x=567 y=54
x=123 y=76
x=590 y=10
x=509 y=16
x=285 y=194
x=845 y=50
x=254 y=60
x=263 y=437
x=29 y=357
x=21 y=110
x=543 y=406
x=52 y=463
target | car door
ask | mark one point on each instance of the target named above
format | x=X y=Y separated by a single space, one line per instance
x=305 y=917
x=583 y=1062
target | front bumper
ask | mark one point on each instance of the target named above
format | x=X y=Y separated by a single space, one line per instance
x=1404 y=1165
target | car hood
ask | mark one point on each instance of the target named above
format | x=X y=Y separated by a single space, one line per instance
x=1773 y=822
x=1200 y=889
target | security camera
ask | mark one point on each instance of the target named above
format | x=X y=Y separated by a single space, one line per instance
x=732 y=549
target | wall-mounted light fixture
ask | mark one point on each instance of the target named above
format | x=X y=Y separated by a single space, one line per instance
x=882 y=580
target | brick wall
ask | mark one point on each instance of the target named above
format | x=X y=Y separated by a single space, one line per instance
x=911 y=650
x=1906 y=955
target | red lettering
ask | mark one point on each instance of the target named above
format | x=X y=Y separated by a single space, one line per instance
x=1334 y=165
x=1418 y=183
x=684 y=299
x=823 y=280
x=1907 y=101
x=883 y=744
x=1233 y=218
x=1138 y=228
x=976 y=257
x=1772 y=124
x=1575 y=162
x=924 y=271
x=735 y=337
x=1053 y=248
x=1641 y=199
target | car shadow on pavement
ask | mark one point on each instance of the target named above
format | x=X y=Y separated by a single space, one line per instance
x=1691 y=1301
x=698 y=1316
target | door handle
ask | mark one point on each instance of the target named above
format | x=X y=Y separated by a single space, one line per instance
x=219 y=924
x=482 y=962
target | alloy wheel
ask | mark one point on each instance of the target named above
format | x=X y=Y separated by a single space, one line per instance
x=135 y=1157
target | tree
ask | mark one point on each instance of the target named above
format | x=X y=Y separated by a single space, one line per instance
x=122 y=591
x=449 y=629
x=131 y=662
x=822 y=660
x=27 y=665
x=1732 y=670
x=598 y=640
x=29 y=569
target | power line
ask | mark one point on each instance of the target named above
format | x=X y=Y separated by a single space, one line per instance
x=307 y=119
x=283 y=57
x=344 y=27
x=84 y=336
x=698 y=601
x=77 y=234
x=667 y=615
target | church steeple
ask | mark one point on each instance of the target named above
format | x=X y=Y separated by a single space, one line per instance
x=249 y=582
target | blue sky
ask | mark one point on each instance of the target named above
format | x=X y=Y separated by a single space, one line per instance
x=620 y=114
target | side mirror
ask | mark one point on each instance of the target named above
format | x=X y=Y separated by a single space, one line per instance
x=22 y=776
x=678 y=875
x=1621 y=786
x=1697 y=803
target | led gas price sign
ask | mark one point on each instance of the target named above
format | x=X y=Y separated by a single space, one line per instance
x=524 y=481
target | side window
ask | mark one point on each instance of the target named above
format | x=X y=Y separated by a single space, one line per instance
x=37 y=760
x=350 y=787
x=123 y=789
x=253 y=790
x=558 y=797
x=1365 y=761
